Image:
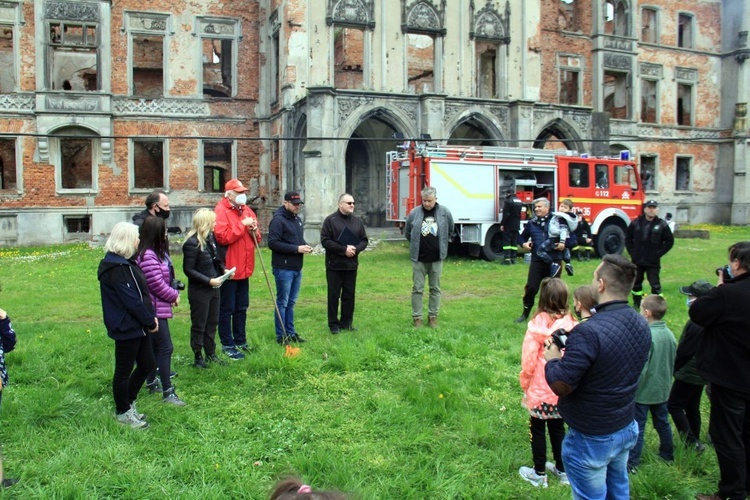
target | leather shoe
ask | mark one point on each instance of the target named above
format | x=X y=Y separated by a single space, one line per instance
x=335 y=330
x=521 y=319
x=298 y=339
x=351 y=328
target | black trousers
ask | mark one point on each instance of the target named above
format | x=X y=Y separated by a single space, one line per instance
x=161 y=342
x=538 y=270
x=341 y=287
x=126 y=382
x=556 y=429
x=730 y=432
x=684 y=405
x=204 y=318
x=652 y=273
x=510 y=243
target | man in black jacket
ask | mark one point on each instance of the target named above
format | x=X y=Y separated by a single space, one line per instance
x=723 y=359
x=510 y=224
x=647 y=239
x=344 y=238
x=287 y=243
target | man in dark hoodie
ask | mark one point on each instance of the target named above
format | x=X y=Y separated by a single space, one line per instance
x=157 y=204
x=344 y=238
x=287 y=243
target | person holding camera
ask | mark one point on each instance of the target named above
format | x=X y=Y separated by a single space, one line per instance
x=237 y=230
x=154 y=261
x=723 y=359
x=647 y=239
x=596 y=382
x=552 y=318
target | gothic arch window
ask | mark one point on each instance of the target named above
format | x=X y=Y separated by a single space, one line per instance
x=491 y=36
x=616 y=15
x=423 y=24
x=351 y=22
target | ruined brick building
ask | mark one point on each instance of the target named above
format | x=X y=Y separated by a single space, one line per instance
x=102 y=101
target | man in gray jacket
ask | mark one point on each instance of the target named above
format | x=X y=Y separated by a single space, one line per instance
x=429 y=227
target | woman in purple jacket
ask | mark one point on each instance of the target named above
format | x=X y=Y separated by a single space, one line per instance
x=154 y=260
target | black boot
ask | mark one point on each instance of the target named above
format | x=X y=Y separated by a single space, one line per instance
x=199 y=361
x=524 y=315
x=587 y=255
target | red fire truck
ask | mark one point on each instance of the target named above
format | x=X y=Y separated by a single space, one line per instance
x=471 y=182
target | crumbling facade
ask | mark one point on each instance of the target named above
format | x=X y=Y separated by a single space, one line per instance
x=106 y=101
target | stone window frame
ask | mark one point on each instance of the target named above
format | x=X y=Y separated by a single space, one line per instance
x=274 y=64
x=19 y=166
x=11 y=15
x=79 y=218
x=561 y=56
x=131 y=164
x=130 y=18
x=655 y=73
x=55 y=159
x=691 y=170
x=414 y=22
x=488 y=25
x=657 y=21
x=693 y=28
x=621 y=14
x=360 y=16
x=202 y=159
x=689 y=77
x=217 y=28
x=655 y=188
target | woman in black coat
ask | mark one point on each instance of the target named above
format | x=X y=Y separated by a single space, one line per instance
x=129 y=318
x=203 y=267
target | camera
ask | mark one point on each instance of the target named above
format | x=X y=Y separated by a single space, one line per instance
x=724 y=272
x=560 y=338
x=177 y=284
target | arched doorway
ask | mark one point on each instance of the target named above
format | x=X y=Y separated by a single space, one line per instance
x=365 y=168
x=472 y=132
x=558 y=135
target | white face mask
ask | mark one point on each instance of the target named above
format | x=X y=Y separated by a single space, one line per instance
x=241 y=199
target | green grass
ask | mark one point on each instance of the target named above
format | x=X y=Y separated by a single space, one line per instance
x=387 y=412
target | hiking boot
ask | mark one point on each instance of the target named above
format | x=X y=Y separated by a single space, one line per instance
x=213 y=358
x=141 y=416
x=199 y=362
x=569 y=269
x=154 y=386
x=552 y=469
x=432 y=321
x=554 y=268
x=171 y=398
x=417 y=322
x=530 y=475
x=130 y=418
x=233 y=353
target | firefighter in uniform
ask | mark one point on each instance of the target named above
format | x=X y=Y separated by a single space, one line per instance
x=584 y=249
x=510 y=224
x=647 y=239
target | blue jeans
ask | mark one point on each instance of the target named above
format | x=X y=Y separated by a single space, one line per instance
x=660 y=419
x=233 y=304
x=597 y=466
x=288 y=282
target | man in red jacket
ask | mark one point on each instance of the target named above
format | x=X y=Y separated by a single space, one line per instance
x=235 y=222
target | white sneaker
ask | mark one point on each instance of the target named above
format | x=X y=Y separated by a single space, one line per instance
x=141 y=416
x=130 y=418
x=530 y=475
x=552 y=469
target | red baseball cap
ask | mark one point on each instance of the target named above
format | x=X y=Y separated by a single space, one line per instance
x=234 y=185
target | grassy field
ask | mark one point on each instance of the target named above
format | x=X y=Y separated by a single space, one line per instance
x=388 y=412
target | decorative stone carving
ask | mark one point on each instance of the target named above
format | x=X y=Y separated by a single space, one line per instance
x=436 y=106
x=17 y=102
x=72 y=11
x=488 y=24
x=213 y=26
x=157 y=107
x=582 y=121
x=450 y=111
x=501 y=114
x=351 y=12
x=147 y=22
x=423 y=16
x=616 y=61
x=60 y=103
x=410 y=108
x=648 y=69
x=347 y=106
x=612 y=43
x=622 y=128
x=686 y=74
x=543 y=116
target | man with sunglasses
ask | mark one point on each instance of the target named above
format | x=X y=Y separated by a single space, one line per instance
x=343 y=236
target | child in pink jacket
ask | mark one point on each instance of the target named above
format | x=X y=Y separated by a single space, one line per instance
x=553 y=314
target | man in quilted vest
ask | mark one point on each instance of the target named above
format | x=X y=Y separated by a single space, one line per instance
x=596 y=381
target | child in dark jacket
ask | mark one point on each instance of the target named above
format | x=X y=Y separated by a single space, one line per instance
x=8 y=337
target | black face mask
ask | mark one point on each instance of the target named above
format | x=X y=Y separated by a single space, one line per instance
x=164 y=214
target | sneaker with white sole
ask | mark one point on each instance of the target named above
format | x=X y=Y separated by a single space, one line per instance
x=130 y=418
x=530 y=475
x=170 y=397
x=562 y=476
x=141 y=416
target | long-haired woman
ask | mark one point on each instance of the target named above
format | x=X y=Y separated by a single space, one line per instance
x=202 y=266
x=153 y=259
x=129 y=319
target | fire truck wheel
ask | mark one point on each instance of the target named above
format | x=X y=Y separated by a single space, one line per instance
x=493 y=244
x=611 y=239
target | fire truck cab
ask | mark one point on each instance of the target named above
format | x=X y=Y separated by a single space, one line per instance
x=472 y=182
